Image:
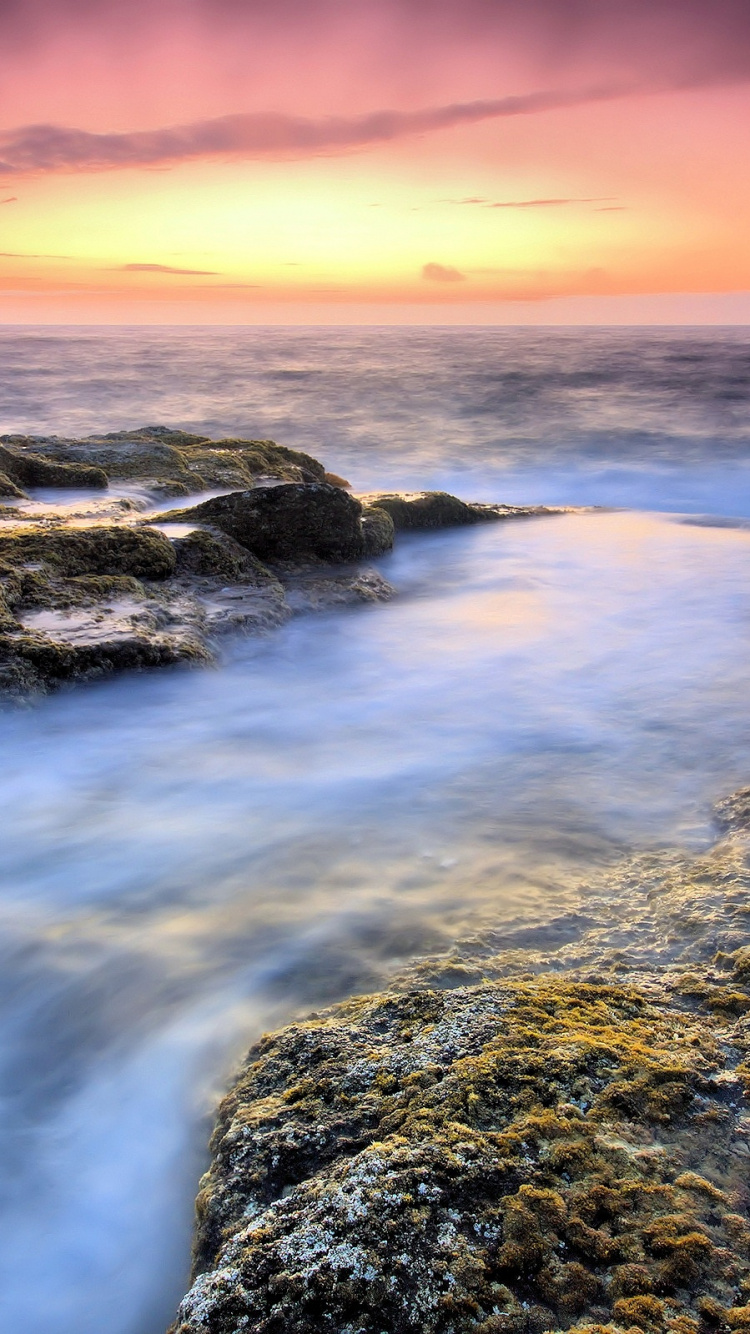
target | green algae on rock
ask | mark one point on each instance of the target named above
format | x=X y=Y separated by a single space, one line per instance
x=187 y=588
x=215 y=555
x=179 y=462
x=103 y=549
x=564 y=1143
x=378 y=531
x=31 y=469
x=518 y=1156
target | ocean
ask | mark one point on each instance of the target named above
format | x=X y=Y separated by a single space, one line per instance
x=190 y=857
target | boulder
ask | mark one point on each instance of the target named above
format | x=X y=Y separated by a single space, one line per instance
x=99 y=550
x=9 y=490
x=216 y=556
x=377 y=530
x=429 y=509
x=30 y=469
x=289 y=521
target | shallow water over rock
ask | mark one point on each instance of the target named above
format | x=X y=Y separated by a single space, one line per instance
x=190 y=857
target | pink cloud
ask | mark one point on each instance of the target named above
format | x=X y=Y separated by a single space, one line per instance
x=441 y=273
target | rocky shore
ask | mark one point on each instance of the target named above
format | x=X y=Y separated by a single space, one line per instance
x=99 y=577
x=542 y=1130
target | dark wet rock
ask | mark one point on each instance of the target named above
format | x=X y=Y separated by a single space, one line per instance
x=87 y=587
x=287 y=521
x=516 y=1156
x=36 y=661
x=214 y=555
x=9 y=490
x=100 y=550
x=26 y=468
x=420 y=510
x=378 y=531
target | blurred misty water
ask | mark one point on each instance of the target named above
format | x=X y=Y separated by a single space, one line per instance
x=189 y=857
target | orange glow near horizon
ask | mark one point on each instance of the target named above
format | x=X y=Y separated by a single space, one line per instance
x=357 y=171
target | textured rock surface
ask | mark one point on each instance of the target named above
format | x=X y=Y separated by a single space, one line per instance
x=97 y=550
x=378 y=531
x=27 y=468
x=528 y=1153
x=181 y=462
x=420 y=510
x=287 y=521
x=214 y=555
x=87 y=587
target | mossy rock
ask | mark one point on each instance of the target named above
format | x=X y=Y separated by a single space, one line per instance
x=429 y=509
x=169 y=457
x=98 y=550
x=378 y=531
x=238 y=463
x=513 y=1156
x=9 y=490
x=30 y=469
x=32 y=660
x=216 y=556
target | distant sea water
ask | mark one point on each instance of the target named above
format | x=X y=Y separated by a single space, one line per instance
x=189 y=857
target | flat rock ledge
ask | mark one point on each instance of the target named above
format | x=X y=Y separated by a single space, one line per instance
x=101 y=584
x=560 y=1149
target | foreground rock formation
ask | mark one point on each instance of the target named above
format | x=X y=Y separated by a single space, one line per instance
x=565 y=1143
x=103 y=584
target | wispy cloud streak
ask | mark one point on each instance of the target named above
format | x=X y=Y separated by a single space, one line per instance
x=49 y=148
x=531 y=203
x=167 y=268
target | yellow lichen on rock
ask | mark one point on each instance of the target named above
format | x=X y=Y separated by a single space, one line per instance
x=514 y=1156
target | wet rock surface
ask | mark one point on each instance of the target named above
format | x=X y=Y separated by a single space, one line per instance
x=421 y=510
x=287 y=521
x=99 y=585
x=532 y=1133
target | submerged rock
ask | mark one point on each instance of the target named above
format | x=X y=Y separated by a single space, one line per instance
x=287 y=521
x=33 y=661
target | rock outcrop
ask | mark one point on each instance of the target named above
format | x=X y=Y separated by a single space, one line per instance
x=180 y=463
x=28 y=468
x=287 y=521
x=418 y=511
x=527 y=1153
x=101 y=549
x=93 y=587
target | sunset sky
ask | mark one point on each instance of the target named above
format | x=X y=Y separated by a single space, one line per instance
x=381 y=160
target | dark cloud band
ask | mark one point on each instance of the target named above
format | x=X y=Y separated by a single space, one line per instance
x=48 y=148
